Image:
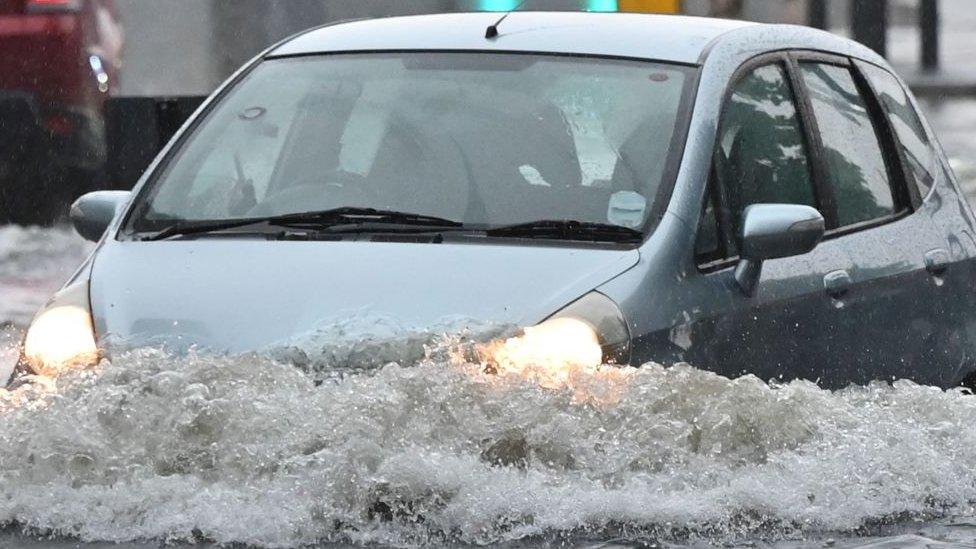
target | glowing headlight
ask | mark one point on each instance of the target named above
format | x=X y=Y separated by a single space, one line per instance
x=61 y=334
x=555 y=343
x=604 y=318
x=588 y=332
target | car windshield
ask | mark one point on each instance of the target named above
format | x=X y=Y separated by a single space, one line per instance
x=483 y=139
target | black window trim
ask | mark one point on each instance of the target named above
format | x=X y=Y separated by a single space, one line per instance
x=902 y=183
x=826 y=201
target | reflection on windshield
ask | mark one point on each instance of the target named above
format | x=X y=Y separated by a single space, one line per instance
x=484 y=139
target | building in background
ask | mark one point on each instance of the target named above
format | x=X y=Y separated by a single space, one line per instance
x=179 y=47
x=187 y=47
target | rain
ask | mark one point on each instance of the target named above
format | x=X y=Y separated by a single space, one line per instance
x=441 y=410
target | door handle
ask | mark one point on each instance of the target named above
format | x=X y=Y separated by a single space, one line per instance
x=936 y=261
x=837 y=283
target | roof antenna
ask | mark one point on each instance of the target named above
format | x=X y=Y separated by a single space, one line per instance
x=492 y=30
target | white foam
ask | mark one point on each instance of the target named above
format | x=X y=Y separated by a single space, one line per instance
x=249 y=450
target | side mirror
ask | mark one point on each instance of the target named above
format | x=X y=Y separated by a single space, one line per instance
x=93 y=212
x=771 y=231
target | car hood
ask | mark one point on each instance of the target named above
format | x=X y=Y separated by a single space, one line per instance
x=234 y=296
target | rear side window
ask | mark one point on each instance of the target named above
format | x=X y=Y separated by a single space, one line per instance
x=852 y=149
x=914 y=142
x=761 y=155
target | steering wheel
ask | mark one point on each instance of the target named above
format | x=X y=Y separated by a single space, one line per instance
x=317 y=192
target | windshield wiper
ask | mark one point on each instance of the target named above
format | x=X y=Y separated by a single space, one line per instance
x=348 y=217
x=324 y=219
x=568 y=229
x=181 y=228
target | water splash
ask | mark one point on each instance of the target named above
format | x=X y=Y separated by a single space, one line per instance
x=248 y=449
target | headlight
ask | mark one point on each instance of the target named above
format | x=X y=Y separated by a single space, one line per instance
x=588 y=332
x=603 y=316
x=554 y=344
x=61 y=334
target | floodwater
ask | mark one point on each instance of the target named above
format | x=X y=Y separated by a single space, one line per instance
x=152 y=448
x=248 y=450
x=196 y=449
x=34 y=262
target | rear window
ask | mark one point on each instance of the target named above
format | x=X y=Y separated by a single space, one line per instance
x=914 y=142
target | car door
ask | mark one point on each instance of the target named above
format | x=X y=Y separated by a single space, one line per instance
x=951 y=352
x=889 y=329
x=764 y=154
x=895 y=324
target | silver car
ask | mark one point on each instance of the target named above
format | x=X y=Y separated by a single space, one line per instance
x=748 y=198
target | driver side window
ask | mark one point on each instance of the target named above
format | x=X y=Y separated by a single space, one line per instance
x=227 y=176
x=760 y=155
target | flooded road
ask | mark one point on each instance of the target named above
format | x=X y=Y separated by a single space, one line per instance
x=248 y=450
x=197 y=449
x=34 y=262
x=251 y=451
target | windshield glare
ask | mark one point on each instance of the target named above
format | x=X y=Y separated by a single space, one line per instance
x=484 y=139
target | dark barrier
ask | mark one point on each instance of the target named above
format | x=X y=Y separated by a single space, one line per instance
x=137 y=128
x=28 y=187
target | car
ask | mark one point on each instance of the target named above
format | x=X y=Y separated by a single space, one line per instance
x=748 y=198
x=59 y=62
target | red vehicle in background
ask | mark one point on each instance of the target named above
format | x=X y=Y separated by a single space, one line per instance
x=59 y=61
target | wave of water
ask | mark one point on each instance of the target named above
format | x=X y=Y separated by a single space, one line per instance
x=246 y=449
x=396 y=439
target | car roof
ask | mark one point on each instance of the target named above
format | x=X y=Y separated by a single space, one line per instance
x=680 y=39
